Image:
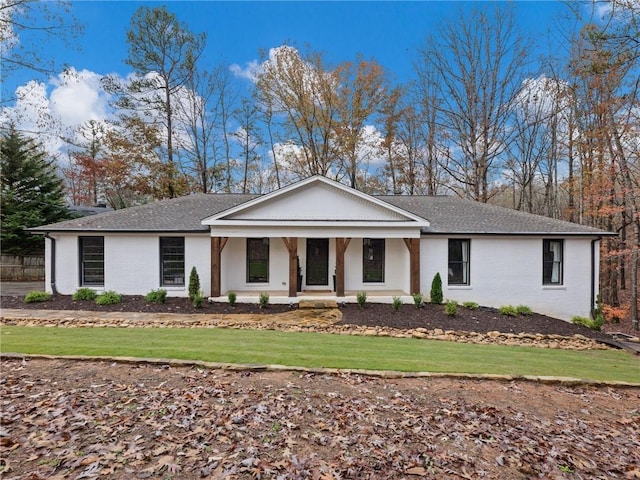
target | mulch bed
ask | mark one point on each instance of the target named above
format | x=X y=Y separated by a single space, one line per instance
x=430 y=316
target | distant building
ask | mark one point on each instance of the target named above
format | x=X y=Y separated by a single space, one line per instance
x=84 y=211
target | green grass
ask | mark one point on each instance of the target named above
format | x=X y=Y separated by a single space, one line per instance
x=321 y=350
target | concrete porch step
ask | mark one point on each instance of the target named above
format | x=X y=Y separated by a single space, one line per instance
x=318 y=304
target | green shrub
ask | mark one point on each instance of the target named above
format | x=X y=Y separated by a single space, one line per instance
x=197 y=299
x=436 y=289
x=594 y=324
x=156 y=296
x=451 y=308
x=264 y=299
x=194 y=283
x=598 y=313
x=470 y=305
x=361 y=298
x=508 y=310
x=418 y=299
x=232 y=298
x=36 y=296
x=108 y=298
x=598 y=322
x=84 y=294
x=397 y=303
x=524 y=310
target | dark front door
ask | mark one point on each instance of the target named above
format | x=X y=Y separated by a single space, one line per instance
x=317 y=261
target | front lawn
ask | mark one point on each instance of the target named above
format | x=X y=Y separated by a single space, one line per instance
x=321 y=350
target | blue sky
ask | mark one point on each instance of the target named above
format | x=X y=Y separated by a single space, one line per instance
x=390 y=32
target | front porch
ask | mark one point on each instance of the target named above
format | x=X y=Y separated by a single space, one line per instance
x=311 y=267
x=315 y=236
x=281 y=297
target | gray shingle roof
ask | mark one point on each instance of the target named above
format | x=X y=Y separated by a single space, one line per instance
x=449 y=215
x=175 y=215
x=455 y=215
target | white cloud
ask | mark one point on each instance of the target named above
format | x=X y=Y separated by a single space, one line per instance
x=56 y=111
x=78 y=97
x=32 y=116
x=250 y=71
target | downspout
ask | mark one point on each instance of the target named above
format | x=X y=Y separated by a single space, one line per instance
x=53 y=263
x=592 y=309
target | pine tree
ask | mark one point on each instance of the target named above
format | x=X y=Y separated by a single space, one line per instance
x=32 y=193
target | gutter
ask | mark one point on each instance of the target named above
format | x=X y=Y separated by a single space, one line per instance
x=593 y=307
x=53 y=262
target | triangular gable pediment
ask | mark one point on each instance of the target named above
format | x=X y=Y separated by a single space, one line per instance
x=316 y=199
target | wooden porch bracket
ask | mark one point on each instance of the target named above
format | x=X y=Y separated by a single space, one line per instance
x=292 y=247
x=341 y=248
x=217 y=245
x=413 y=245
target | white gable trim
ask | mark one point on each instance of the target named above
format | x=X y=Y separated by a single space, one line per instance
x=315 y=231
x=404 y=218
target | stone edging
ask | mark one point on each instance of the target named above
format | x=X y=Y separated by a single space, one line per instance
x=385 y=374
x=319 y=321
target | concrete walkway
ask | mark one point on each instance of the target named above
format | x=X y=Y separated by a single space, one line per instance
x=307 y=317
x=8 y=289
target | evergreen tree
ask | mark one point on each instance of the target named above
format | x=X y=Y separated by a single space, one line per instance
x=436 y=289
x=194 y=283
x=32 y=193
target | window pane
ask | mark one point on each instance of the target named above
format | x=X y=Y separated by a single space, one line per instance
x=92 y=261
x=373 y=259
x=552 y=262
x=257 y=260
x=458 y=271
x=172 y=261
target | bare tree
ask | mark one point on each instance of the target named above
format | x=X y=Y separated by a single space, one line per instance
x=303 y=93
x=426 y=94
x=266 y=108
x=479 y=61
x=606 y=65
x=203 y=113
x=249 y=138
x=362 y=88
x=27 y=25
x=391 y=112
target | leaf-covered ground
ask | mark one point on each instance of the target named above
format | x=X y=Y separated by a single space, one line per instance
x=99 y=420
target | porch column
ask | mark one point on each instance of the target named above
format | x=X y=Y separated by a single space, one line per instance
x=217 y=245
x=341 y=247
x=292 y=247
x=413 y=245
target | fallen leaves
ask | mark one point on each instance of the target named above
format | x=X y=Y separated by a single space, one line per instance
x=96 y=420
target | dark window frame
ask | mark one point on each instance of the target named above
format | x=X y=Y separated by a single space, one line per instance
x=258 y=260
x=172 y=262
x=91 y=261
x=549 y=262
x=459 y=269
x=373 y=260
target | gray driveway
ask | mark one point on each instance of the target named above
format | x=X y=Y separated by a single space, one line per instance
x=19 y=288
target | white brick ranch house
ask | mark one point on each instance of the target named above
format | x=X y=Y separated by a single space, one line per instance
x=319 y=237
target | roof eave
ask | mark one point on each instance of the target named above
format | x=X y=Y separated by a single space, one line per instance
x=40 y=231
x=522 y=234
